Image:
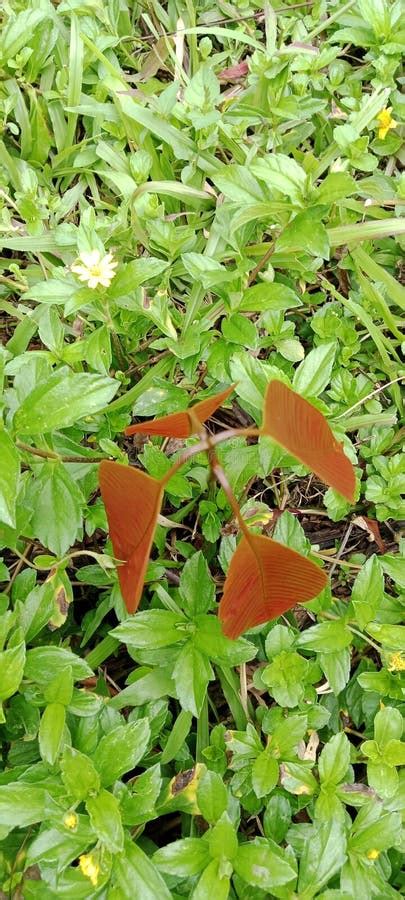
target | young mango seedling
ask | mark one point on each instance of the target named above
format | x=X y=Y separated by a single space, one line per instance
x=265 y=578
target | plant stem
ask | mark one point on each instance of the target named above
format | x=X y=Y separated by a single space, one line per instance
x=102 y=651
x=50 y=454
x=203 y=736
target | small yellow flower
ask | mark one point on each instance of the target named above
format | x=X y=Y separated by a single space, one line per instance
x=95 y=269
x=386 y=122
x=373 y=854
x=89 y=867
x=70 y=820
x=396 y=662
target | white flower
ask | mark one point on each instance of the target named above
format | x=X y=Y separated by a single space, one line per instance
x=95 y=269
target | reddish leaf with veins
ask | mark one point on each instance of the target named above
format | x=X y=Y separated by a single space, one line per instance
x=304 y=432
x=264 y=580
x=132 y=501
x=185 y=423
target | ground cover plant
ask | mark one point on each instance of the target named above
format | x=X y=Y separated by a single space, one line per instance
x=201 y=236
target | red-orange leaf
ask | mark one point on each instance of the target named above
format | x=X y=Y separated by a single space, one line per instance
x=265 y=579
x=304 y=432
x=182 y=424
x=132 y=501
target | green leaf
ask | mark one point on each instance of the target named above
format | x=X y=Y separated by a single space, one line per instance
x=388 y=726
x=153 y=629
x=334 y=760
x=336 y=186
x=79 y=774
x=44 y=662
x=269 y=296
x=177 y=736
x=313 y=374
x=392 y=636
x=323 y=855
x=63 y=399
x=105 y=820
x=374 y=828
x=210 y=639
x=191 y=675
x=121 y=750
x=51 y=731
x=9 y=477
x=196 y=585
x=12 y=662
x=285 y=677
x=264 y=774
x=184 y=858
x=223 y=839
x=135 y=273
x=21 y=805
x=137 y=877
x=57 y=508
x=368 y=591
x=336 y=668
x=262 y=864
x=212 y=796
x=327 y=637
x=214 y=882
x=281 y=173
x=60 y=844
x=277 y=817
x=305 y=234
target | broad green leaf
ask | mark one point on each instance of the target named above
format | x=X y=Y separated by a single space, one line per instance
x=135 y=273
x=327 y=637
x=285 y=678
x=313 y=374
x=191 y=675
x=336 y=668
x=137 y=876
x=210 y=639
x=21 y=805
x=79 y=775
x=184 y=858
x=334 y=760
x=368 y=591
x=269 y=296
x=120 y=750
x=57 y=508
x=262 y=864
x=105 y=819
x=264 y=774
x=51 y=731
x=323 y=855
x=212 y=796
x=62 y=400
x=153 y=628
x=196 y=585
x=392 y=636
x=43 y=663
x=281 y=173
x=12 y=662
x=305 y=234
x=214 y=882
x=9 y=477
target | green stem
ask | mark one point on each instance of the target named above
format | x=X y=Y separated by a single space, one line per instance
x=230 y=688
x=102 y=651
x=203 y=735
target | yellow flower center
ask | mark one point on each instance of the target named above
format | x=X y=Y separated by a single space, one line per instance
x=90 y=867
x=70 y=820
x=373 y=854
x=396 y=662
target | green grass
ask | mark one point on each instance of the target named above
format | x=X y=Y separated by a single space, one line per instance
x=255 y=216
